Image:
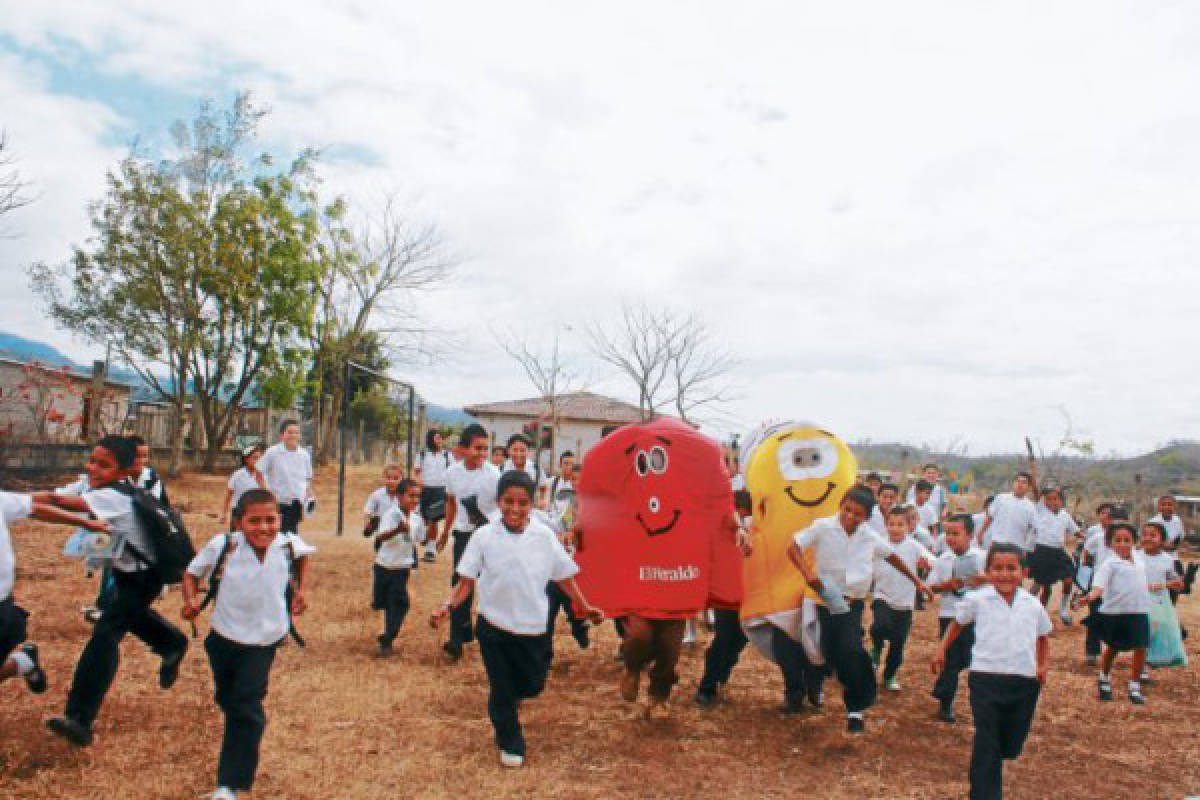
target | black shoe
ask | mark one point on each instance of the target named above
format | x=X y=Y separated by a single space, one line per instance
x=168 y=672
x=385 y=647
x=946 y=713
x=855 y=725
x=1136 y=697
x=429 y=558
x=1104 y=689
x=816 y=699
x=790 y=707
x=71 y=729
x=705 y=698
x=35 y=679
x=453 y=650
x=581 y=637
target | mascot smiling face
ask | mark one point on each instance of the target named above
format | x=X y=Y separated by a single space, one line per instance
x=796 y=474
x=654 y=501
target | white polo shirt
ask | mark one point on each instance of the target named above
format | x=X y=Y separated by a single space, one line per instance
x=378 y=502
x=1005 y=635
x=1159 y=567
x=1095 y=547
x=250 y=608
x=512 y=570
x=890 y=584
x=479 y=483
x=12 y=508
x=531 y=469
x=239 y=483
x=116 y=508
x=288 y=472
x=1051 y=528
x=950 y=565
x=1174 y=526
x=77 y=488
x=1012 y=521
x=849 y=561
x=433 y=468
x=399 y=552
x=1124 y=584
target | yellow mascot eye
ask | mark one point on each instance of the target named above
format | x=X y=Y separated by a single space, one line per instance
x=805 y=459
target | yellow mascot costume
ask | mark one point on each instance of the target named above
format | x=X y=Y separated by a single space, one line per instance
x=796 y=473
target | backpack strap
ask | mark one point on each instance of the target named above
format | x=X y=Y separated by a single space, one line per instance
x=218 y=572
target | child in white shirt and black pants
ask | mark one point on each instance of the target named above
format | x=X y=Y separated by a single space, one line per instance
x=1009 y=662
x=892 y=608
x=248 y=573
x=400 y=531
x=957 y=570
x=511 y=560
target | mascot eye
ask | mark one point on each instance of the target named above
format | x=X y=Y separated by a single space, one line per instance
x=643 y=463
x=805 y=459
x=658 y=460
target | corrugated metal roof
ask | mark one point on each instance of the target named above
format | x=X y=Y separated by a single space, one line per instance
x=585 y=406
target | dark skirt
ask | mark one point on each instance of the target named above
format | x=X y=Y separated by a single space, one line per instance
x=1050 y=565
x=1122 y=632
x=433 y=503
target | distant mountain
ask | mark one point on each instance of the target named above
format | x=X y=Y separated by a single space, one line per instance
x=18 y=347
x=444 y=415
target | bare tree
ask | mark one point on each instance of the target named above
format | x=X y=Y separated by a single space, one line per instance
x=672 y=360
x=369 y=278
x=551 y=377
x=12 y=186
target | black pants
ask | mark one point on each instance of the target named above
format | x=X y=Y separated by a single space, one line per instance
x=842 y=645
x=958 y=658
x=890 y=626
x=724 y=650
x=13 y=628
x=240 y=674
x=130 y=612
x=800 y=678
x=516 y=668
x=460 y=615
x=390 y=596
x=1003 y=707
x=291 y=515
x=560 y=601
x=1092 y=643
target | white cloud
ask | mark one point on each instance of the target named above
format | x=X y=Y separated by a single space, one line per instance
x=915 y=220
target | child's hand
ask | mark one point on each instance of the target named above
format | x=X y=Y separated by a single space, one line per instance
x=189 y=612
x=1042 y=671
x=924 y=590
x=593 y=615
x=939 y=662
x=744 y=543
x=96 y=525
x=439 y=615
x=299 y=603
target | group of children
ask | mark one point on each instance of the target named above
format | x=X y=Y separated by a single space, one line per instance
x=511 y=532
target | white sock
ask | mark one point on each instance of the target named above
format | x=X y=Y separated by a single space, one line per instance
x=1134 y=686
x=23 y=662
x=854 y=715
x=1105 y=677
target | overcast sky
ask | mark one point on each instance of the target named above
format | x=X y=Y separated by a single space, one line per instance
x=927 y=222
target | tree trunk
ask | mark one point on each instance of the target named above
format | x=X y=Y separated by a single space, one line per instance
x=177 y=425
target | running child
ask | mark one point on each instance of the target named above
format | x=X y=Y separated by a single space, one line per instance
x=1171 y=521
x=1093 y=554
x=380 y=500
x=885 y=500
x=845 y=551
x=18 y=656
x=137 y=586
x=248 y=572
x=956 y=571
x=1010 y=516
x=499 y=457
x=143 y=475
x=1050 y=563
x=728 y=638
x=1122 y=621
x=930 y=474
x=400 y=532
x=511 y=561
x=288 y=469
x=1009 y=663
x=895 y=596
x=244 y=479
x=1162 y=577
x=432 y=465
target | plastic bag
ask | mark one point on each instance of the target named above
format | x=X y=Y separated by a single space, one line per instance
x=1166 y=640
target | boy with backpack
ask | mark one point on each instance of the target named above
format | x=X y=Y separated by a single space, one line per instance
x=249 y=572
x=152 y=549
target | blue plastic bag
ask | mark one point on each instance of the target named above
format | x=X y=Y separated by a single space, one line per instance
x=1166 y=640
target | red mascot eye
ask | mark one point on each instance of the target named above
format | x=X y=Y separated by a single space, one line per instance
x=658 y=460
x=643 y=463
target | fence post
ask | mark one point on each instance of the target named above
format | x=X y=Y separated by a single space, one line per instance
x=342 y=448
x=412 y=419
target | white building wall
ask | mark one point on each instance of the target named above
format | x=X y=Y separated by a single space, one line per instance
x=576 y=436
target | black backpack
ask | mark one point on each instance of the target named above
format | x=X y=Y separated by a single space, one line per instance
x=171 y=546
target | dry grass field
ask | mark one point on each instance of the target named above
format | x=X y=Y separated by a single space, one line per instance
x=344 y=724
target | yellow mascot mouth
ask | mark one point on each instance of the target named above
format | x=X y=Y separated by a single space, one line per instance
x=829 y=487
x=659 y=531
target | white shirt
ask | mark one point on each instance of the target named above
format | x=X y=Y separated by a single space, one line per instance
x=847 y=561
x=1005 y=635
x=878 y=522
x=738 y=482
x=1012 y=520
x=12 y=508
x=512 y=570
x=77 y=488
x=150 y=481
x=378 y=502
x=928 y=515
x=117 y=509
x=922 y=535
x=250 y=607
x=1051 y=528
x=478 y=483
x=950 y=565
x=1174 y=526
x=1124 y=584
x=239 y=483
x=1160 y=567
x=398 y=552
x=977 y=520
x=433 y=468
x=936 y=501
x=1095 y=547
x=890 y=584
x=531 y=469
x=288 y=472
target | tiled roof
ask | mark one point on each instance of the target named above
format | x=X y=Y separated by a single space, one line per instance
x=576 y=406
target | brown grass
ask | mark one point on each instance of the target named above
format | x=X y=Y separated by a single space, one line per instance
x=344 y=724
